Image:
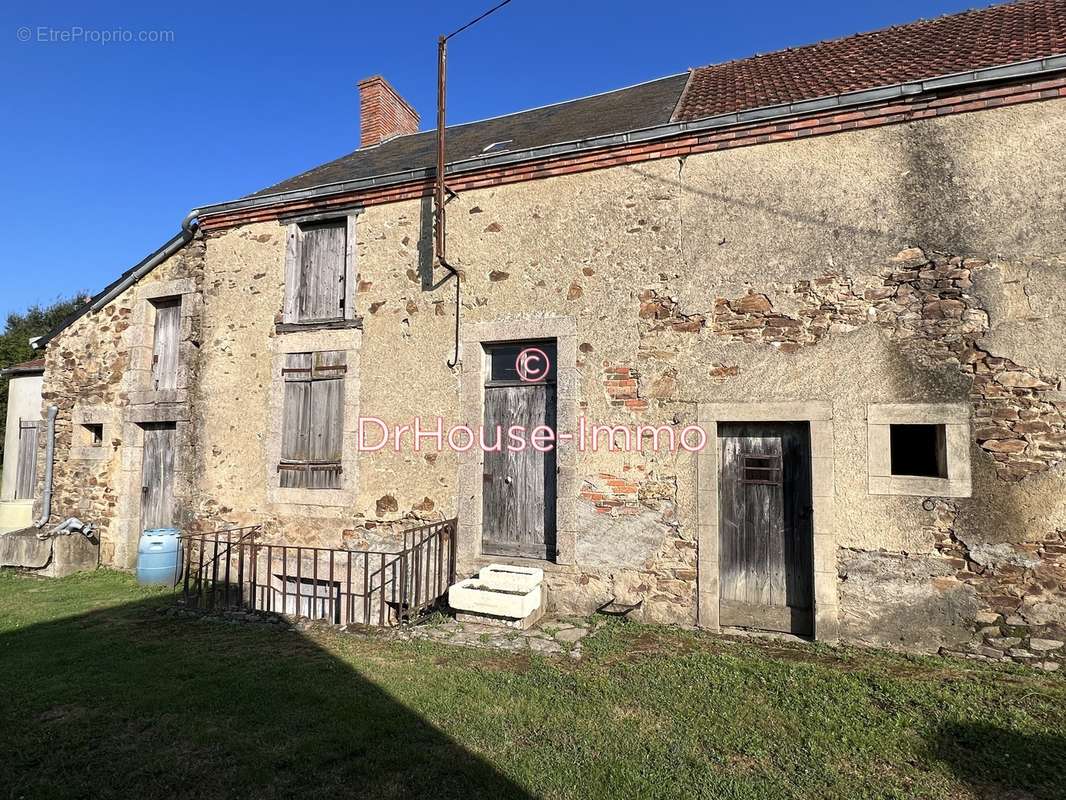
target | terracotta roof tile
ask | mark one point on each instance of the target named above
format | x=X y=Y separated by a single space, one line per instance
x=988 y=37
x=36 y=365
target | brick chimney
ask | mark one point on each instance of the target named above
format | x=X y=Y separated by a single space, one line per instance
x=382 y=112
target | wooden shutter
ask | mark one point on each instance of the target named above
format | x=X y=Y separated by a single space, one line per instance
x=321 y=250
x=327 y=417
x=165 y=349
x=26 y=466
x=313 y=420
x=295 y=423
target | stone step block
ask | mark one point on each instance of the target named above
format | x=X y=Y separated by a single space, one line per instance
x=507 y=578
x=473 y=596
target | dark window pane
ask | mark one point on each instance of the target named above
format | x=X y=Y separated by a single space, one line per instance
x=94 y=434
x=919 y=450
x=503 y=361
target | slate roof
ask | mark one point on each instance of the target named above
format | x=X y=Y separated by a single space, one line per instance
x=642 y=106
x=1002 y=34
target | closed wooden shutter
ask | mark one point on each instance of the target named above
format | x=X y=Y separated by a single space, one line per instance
x=295 y=424
x=26 y=467
x=320 y=293
x=165 y=349
x=312 y=436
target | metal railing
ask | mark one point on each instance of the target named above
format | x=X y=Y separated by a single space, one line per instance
x=235 y=570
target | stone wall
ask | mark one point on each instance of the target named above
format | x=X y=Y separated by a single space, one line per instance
x=96 y=371
x=917 y=263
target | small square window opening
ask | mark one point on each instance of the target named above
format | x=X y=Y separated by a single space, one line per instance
x=760 y=469
x=919 y=450
x=94 y=434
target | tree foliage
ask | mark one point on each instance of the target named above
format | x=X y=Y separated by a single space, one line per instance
x=15 y=340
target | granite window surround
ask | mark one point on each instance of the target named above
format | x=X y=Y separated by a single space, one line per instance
x=81 y=446
x=140 y=337
x=295 y=500
x=955 y=419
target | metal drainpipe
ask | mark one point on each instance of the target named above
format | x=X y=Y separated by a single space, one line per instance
x=46 y=499
x=183 y=237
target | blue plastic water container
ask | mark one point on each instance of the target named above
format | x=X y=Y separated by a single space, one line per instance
x=159 y=557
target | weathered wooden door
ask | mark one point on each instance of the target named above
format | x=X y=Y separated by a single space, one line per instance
x=165 y=348
x=26 y=466
x=157 y=476
x=766 y=562
x=518 y=507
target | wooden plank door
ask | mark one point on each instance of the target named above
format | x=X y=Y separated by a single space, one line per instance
x=157 y=476
x=518 y=505
x=26 y=466
x=165 y=347
x=766 y=555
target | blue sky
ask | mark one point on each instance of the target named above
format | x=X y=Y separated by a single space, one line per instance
x=104 y=146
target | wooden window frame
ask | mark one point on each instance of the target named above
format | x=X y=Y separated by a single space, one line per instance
x=138 y=381
x=295 y=227
x=330 y=502
x=761 y=470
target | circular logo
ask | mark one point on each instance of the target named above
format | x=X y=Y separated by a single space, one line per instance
x=532 y=365
x=23 y=34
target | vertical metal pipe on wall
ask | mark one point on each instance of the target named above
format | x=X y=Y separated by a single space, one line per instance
x=440 y=191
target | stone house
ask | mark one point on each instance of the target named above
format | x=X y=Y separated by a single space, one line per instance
x=841 y=265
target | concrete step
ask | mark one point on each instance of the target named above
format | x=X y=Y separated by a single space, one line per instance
x=507 y=578
x=473 y=596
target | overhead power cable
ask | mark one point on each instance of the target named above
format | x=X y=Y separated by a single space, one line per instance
x=478 y=19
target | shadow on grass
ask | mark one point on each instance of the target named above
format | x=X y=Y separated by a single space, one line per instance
x=1002 y=763
x=126 y=702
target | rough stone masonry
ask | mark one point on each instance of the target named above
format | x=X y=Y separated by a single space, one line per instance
x=918 y=263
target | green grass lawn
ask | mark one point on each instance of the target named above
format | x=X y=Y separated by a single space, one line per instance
x=102 y=696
